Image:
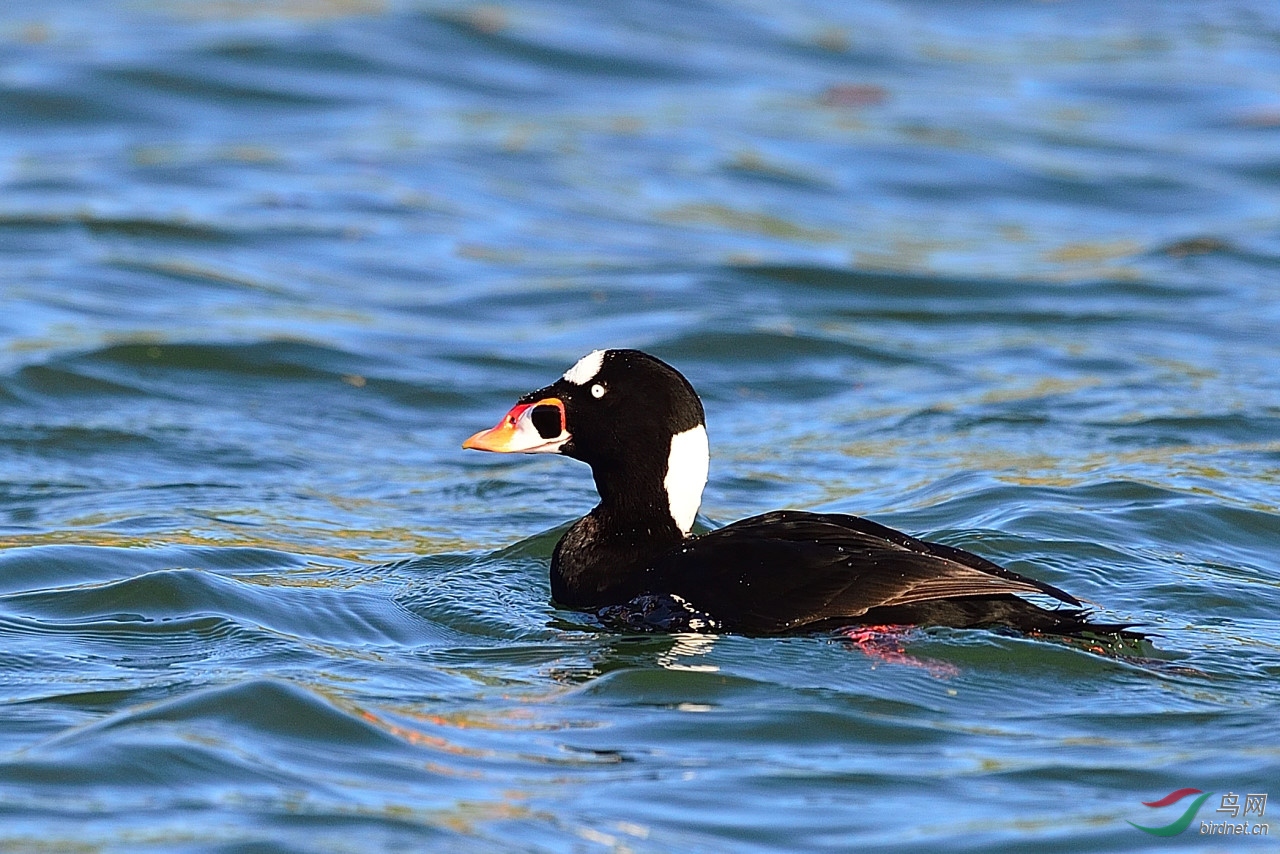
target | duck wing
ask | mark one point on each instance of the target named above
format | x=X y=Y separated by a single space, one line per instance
x=787 y=569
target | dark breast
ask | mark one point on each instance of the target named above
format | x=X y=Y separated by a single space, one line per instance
x=597 y=564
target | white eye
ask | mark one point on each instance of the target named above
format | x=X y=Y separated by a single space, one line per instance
x=597 y=391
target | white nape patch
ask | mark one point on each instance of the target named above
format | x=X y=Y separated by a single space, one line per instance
x=586 y=368
x=687 y=465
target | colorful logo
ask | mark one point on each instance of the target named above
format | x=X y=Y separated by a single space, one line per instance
x=1183 y=821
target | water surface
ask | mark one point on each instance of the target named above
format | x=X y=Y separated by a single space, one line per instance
x=1000 y=275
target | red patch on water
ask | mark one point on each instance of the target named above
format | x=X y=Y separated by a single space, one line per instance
x=885 y=644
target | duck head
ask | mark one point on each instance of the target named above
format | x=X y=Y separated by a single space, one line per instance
x=630 y=416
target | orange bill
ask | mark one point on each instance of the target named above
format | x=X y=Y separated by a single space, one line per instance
x=529 y=428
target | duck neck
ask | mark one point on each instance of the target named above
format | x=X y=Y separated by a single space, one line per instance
x=602 y=558
x=635 y=505
x=644 y=510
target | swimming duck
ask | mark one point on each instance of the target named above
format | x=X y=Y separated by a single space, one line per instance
x=639 y=424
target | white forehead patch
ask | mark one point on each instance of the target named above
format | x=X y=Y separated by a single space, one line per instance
x=586 y=368
x=686 y=475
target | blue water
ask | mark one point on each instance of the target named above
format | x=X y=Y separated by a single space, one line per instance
x=1002 y=275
